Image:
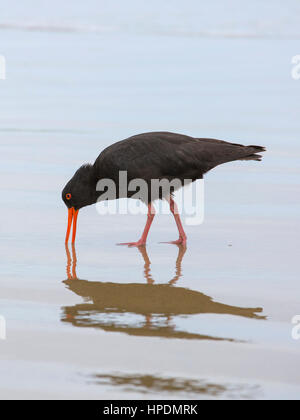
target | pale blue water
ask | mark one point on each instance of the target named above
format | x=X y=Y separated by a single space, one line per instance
x=81 y=75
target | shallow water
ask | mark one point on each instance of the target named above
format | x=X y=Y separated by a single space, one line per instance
x=101 y=321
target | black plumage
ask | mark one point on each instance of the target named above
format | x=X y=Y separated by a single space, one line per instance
x=156 y=155
x=168 y=155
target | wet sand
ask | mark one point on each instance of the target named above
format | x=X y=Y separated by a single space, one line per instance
x=211 y=322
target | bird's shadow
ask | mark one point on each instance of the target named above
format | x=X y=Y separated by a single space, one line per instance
x=139 y=309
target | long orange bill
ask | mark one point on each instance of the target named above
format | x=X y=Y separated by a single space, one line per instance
x=72 y=216
x=75 y=214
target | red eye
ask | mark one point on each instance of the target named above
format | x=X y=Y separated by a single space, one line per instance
x=68 y=196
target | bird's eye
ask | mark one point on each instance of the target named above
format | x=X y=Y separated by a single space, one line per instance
x=68 y=196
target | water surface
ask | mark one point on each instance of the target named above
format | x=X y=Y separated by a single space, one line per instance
x=100 y=321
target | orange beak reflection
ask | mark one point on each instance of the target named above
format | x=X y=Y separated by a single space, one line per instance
x=72 y=217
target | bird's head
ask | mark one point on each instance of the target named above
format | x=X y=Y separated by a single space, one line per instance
x=79 y=192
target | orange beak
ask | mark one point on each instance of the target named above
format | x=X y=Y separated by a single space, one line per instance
x=72 y=216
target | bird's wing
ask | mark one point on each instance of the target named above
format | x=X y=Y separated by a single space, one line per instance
x=157 y=155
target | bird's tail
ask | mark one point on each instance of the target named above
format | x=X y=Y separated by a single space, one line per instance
x=258 y=148
x=252 y=157
x=253 y=150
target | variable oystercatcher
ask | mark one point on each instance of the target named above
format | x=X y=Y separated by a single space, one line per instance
x=149 y=156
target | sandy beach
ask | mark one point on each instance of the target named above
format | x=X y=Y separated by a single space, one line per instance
x=215 y=322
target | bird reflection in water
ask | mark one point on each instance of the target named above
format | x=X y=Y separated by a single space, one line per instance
x=142 y=309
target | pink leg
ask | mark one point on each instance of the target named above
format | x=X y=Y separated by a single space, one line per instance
x=142 y=241
x=182 y=236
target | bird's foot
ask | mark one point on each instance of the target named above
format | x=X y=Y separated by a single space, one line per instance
x=133 y=244
x=180 y=241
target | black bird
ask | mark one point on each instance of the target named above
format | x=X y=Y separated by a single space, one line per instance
x=149 y=156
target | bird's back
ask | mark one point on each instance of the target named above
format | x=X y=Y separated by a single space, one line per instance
x=157 y=155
